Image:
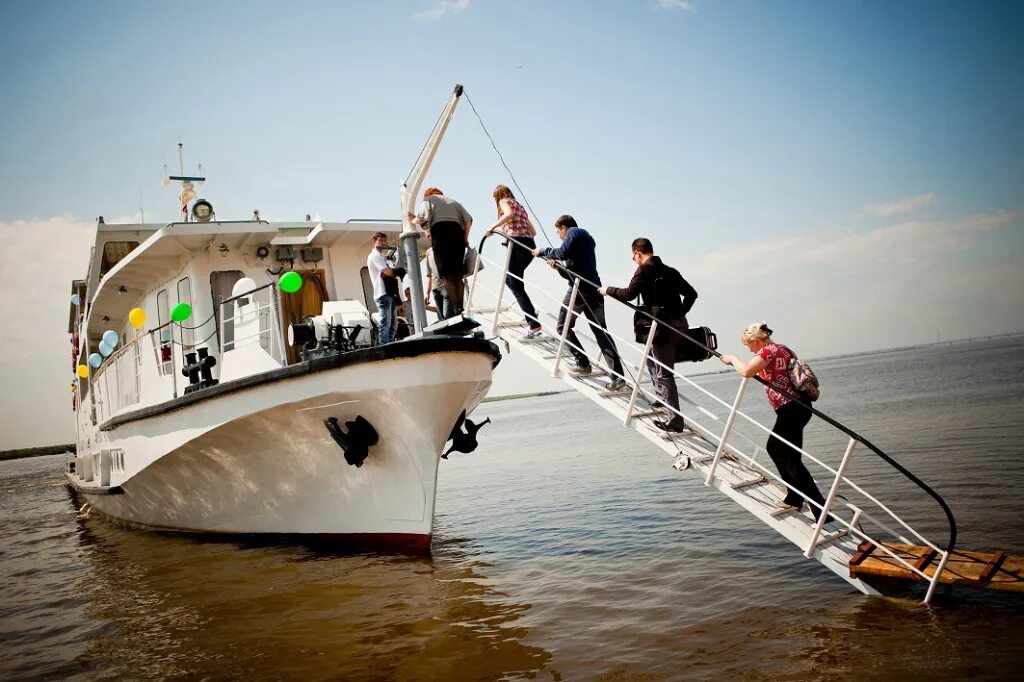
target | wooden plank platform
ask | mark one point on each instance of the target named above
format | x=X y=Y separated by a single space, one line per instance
x=988 y=570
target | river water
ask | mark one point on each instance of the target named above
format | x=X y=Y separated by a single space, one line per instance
x=566 y=548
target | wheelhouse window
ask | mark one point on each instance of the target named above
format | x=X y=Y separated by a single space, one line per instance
x=113 y=252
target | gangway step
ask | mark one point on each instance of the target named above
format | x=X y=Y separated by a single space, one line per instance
x=990 y=570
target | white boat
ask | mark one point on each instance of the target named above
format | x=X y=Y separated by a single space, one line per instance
x=216 y=424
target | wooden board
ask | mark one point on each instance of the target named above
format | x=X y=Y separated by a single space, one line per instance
x=989 y=570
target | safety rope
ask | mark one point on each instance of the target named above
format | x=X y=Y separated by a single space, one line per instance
x=526 y=201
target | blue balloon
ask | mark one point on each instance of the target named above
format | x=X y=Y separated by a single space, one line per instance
x=95 y=360
x=75 y=300
x=104 y=349
x=111 y=338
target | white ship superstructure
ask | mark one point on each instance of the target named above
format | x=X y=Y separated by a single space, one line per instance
x=229 y=379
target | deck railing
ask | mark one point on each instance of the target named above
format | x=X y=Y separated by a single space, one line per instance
x=253 y=317
x=728 y=438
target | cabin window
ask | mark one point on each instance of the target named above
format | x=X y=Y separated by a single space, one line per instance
x=185 y=296
x=222 y=283
x=163 y=314
x=113 y=252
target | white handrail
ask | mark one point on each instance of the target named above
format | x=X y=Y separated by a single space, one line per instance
x=640 y=374
x=839 y=473
x=570 y=310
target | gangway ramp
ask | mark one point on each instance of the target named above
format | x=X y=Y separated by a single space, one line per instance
x=747 y=486
x=715 y=447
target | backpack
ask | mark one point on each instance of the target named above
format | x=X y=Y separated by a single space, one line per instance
x=803 y=378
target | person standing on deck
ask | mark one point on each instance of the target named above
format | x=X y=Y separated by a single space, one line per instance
x=771 y=363
x=387 y=301
x=519 y=232
x=578 y=253
x=449 y=224
x=435 y=288
x=667 y=297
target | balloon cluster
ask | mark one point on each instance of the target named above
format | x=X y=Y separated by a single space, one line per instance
x=137 y=318
x=181 y=312
x=290 y=282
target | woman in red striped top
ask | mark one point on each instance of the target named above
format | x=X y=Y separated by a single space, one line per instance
x=771 y=363
x=520 y=232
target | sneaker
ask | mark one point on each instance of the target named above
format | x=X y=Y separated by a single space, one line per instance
x=676 y=425
x=534 y=334
x=616 y=384
x=581 y=368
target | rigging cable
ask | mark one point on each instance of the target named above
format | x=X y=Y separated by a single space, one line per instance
x=509 y=170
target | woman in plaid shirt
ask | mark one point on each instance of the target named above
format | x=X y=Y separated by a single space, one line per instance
x=520 y=231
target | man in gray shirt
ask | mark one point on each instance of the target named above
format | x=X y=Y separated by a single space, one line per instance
x=448 y=223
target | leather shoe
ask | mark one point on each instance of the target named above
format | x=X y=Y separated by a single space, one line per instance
x=674 y=426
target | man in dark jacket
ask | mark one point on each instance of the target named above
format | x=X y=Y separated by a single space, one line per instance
x=668 y=297
x=578 y=253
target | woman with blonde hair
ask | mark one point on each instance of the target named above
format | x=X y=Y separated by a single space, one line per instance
x=520 y=231
x=771 y=363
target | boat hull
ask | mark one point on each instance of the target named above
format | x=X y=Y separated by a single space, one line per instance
x=262 y=460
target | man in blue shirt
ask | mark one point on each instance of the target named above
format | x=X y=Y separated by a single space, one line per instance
x=578 y=255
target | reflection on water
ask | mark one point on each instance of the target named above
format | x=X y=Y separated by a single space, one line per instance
x=208 y=608
x=565 y=548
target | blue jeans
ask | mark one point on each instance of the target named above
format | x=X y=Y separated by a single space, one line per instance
x=387 y=324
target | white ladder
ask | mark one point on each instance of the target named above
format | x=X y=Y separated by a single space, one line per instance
x=719 y=461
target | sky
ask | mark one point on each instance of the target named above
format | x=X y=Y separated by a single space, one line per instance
x=850 y=172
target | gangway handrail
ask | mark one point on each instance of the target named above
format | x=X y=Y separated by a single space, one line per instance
x=829 y=420
x=814 y=542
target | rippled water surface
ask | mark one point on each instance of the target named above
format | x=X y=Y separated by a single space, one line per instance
x=566 y=548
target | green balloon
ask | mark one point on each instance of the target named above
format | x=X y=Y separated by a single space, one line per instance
x=181 y=312
x=290 y=282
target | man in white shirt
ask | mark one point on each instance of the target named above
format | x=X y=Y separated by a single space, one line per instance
x=387 y=302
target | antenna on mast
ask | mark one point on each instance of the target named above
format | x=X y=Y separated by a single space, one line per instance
x=188 y=183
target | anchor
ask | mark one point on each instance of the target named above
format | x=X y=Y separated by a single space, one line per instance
x=464 y=442
x=356 y=443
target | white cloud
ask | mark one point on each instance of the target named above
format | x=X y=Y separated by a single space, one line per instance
x=902 y=206
x=677 y=5
x=903 y=244
x=37 y=264
x=846 y=290
x=442 y=8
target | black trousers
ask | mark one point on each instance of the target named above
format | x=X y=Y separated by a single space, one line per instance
x=448 y=239
x=592 y=305
x=665 y=353
x=519 y=260
x=790 y=420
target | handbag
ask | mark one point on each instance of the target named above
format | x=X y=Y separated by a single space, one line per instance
x=692 y=352
x=472 y=262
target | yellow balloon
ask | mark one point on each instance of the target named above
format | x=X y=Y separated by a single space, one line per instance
x=83 y=371
x=137 y=317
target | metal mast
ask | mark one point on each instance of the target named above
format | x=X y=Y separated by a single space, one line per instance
x=408 y=193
